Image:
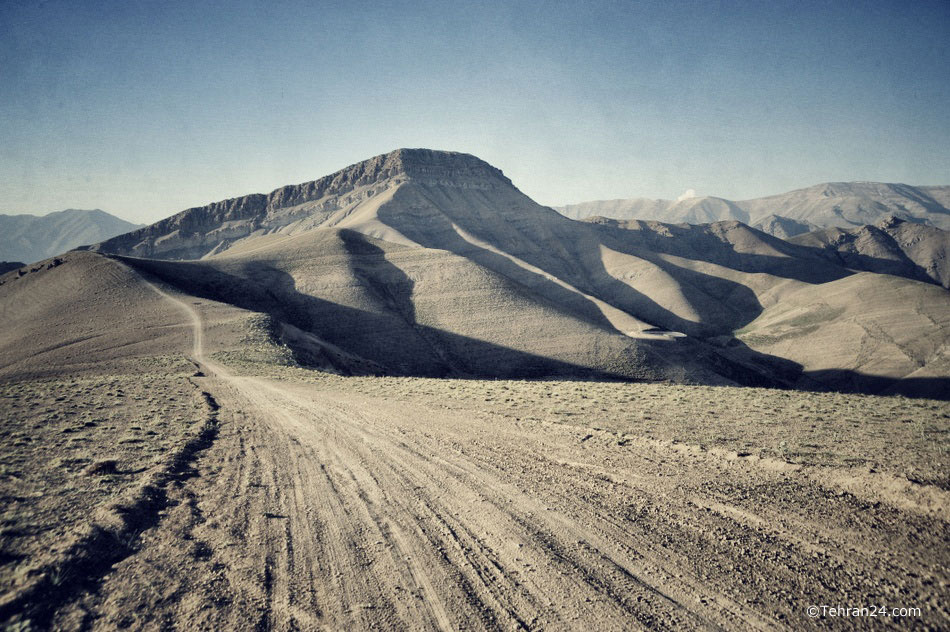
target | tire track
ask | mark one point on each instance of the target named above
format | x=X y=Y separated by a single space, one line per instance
x=338 y=511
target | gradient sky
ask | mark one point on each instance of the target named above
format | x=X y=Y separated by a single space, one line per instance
x=146 y=108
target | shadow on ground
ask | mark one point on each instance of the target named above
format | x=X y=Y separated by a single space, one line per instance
x=387 y=339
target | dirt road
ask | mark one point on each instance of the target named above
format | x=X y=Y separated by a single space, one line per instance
x=321 y=509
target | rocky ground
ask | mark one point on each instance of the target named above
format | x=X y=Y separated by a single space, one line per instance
x=270 y=497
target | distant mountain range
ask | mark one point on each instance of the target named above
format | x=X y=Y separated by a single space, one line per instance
x=30 y=238
x=834 y=204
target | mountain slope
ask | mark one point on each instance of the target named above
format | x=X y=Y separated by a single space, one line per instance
x=85 y=311
x=354 y=304
x=851 y=333
x=833 y=204
x=893 y=246
x=783 y=227
x=693 y=210
x=432 y=263
x=31 y=238
x=633 y=208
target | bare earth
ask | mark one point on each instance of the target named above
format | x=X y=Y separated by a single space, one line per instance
x=321 y=502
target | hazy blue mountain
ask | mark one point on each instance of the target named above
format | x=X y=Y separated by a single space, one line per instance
x=31 y=238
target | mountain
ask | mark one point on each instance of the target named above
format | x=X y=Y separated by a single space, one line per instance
x=408 y=262
x=346 y=199
x=853 y=333
x=855 y=204
x=833 y=204
x=783 y=227
x=693 y=210
x=634 y=208
x=422 y=262
x=31 y=238
x=893 y=246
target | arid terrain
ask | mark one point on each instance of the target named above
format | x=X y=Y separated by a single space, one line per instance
x=406 y=397
x=246 y=493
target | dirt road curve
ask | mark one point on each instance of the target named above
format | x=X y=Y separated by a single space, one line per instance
x=333 y=510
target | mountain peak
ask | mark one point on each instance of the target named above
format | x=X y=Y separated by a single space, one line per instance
x=890 y=222
x=34 y=237
x=418 y=165
x=427 y=164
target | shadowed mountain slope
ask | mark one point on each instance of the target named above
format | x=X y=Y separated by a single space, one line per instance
x=355 y=304
x=31 y=238
x=432 y=263
x=893 y=246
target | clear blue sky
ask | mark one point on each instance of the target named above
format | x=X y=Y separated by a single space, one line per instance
x=146 y=108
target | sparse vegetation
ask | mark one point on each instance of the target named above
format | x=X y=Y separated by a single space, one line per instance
x=74 y=444
x=898 y=435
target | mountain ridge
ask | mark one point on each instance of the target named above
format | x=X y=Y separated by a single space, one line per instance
x=239 y=217
x=841 y=204
x=892 y=246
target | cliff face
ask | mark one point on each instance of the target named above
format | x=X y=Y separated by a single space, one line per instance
x=200 y=230
x=422 y=165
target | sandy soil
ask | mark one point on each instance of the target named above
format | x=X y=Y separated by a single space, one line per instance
x=367 y=504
